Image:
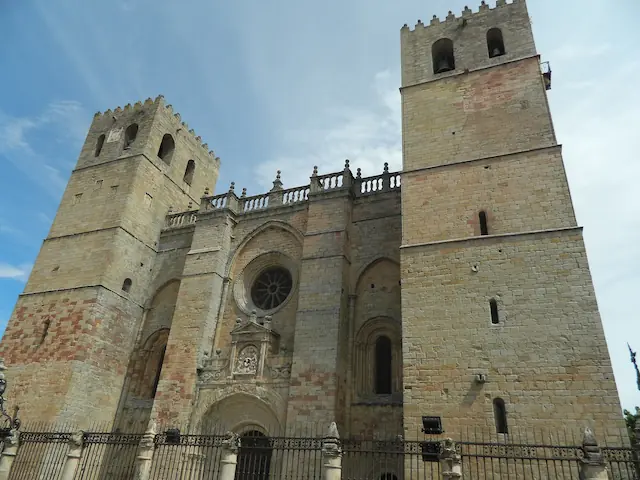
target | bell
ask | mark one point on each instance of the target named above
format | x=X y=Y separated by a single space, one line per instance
x=496 y=52
x=444 y=65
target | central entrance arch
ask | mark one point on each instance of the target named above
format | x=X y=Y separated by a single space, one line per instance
x=254 y=456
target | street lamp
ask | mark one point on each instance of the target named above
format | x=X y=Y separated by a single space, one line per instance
x=14 y=421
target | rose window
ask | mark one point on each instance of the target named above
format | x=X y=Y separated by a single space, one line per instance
x=271 y=288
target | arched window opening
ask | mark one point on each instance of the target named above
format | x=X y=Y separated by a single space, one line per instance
x=158 y=370
x=484 y=229
x=189 y=171
x=500 y=414
x=442 y=56
x=166 y=148
x=383 y=367
x=495 y=318
x=130 y=135
x=495 y=43
x=126 y=285
x=99 y=145
x=254 y=457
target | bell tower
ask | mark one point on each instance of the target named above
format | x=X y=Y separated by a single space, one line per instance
x=70 y=336
x=495 y=279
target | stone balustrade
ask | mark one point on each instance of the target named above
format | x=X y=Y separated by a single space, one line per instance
x=278 y=197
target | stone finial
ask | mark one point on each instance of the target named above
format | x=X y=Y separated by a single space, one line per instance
x=253 y=317
x=238 y=321
x=332 y=432
x=592 y=452
x=450 y=460
x=190 y=205
x=170 y=211
x=231 y=442
x=346 y=164
x=315 y=171
x=76 y=439
x=232 y=187
x=206 y=191
x=244 y=192
x=13 y=439
x=277 y=183
x=386 y=167
x=267 y=321
x=359 y=173
x=331 y=442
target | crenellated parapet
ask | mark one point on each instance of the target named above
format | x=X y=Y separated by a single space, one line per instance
x=466 y=14
x=277 y=197
x=151 y=106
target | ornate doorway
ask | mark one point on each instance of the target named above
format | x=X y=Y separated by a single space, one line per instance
x=254 y=457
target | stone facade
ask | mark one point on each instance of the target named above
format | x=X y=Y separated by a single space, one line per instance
x=355 y=300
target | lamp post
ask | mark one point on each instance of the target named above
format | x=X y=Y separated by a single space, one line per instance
x=633 y=360
x=13 y=421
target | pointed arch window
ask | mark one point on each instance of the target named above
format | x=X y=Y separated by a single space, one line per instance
x=189 y=172
x=99 y=145
x=167 y=146
x=130 y=135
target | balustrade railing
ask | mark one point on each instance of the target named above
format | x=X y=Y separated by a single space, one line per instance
x=295 y=195
x=182 y=219
x=257 y=202
x=320 y=183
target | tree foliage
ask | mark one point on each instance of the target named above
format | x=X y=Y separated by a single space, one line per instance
x=631 y=419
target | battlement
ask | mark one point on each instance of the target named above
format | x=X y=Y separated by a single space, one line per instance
x=466 y=14
x=156 y=104
x=485 y=38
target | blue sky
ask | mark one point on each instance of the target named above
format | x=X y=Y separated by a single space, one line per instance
x=288 y=85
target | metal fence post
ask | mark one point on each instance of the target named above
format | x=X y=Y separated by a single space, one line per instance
x=229 y=461
x=73 y=456
x=450 y=460
x=9 y=453
x=592 y=466
x=331 y=454
x=145 y=453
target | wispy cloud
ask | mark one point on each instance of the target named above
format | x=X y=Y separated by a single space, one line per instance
x=15 y=272
x=368 y=137
x=21 y=142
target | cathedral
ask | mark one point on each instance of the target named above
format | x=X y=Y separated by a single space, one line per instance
x=457 y=289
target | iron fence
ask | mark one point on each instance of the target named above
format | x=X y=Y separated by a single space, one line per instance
x=112 y=455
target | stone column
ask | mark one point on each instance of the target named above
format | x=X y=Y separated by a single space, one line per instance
x=73 y=456
x=9 y=453
x=450 y=460
x=593 y=466
x=145 y=453
x=331 y=454
x=230 y=447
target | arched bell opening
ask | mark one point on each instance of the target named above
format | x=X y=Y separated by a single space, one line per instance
x=495 y=43
x=254 y=456
x=442 y=56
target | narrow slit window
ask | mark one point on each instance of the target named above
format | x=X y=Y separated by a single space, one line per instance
x=383 y=367
x=495 y=43
x=99 y=145
x=189 y=172
x=126 y=285
x=500 y=414
x=484 y=229
x=495 y=317
x=130 y=135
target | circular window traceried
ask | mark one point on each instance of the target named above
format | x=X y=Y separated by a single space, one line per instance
x=271 y=288
x=266 y=284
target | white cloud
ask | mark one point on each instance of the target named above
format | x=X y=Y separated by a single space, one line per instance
x=368 y=137
x=17 y=272
x=64 y=120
